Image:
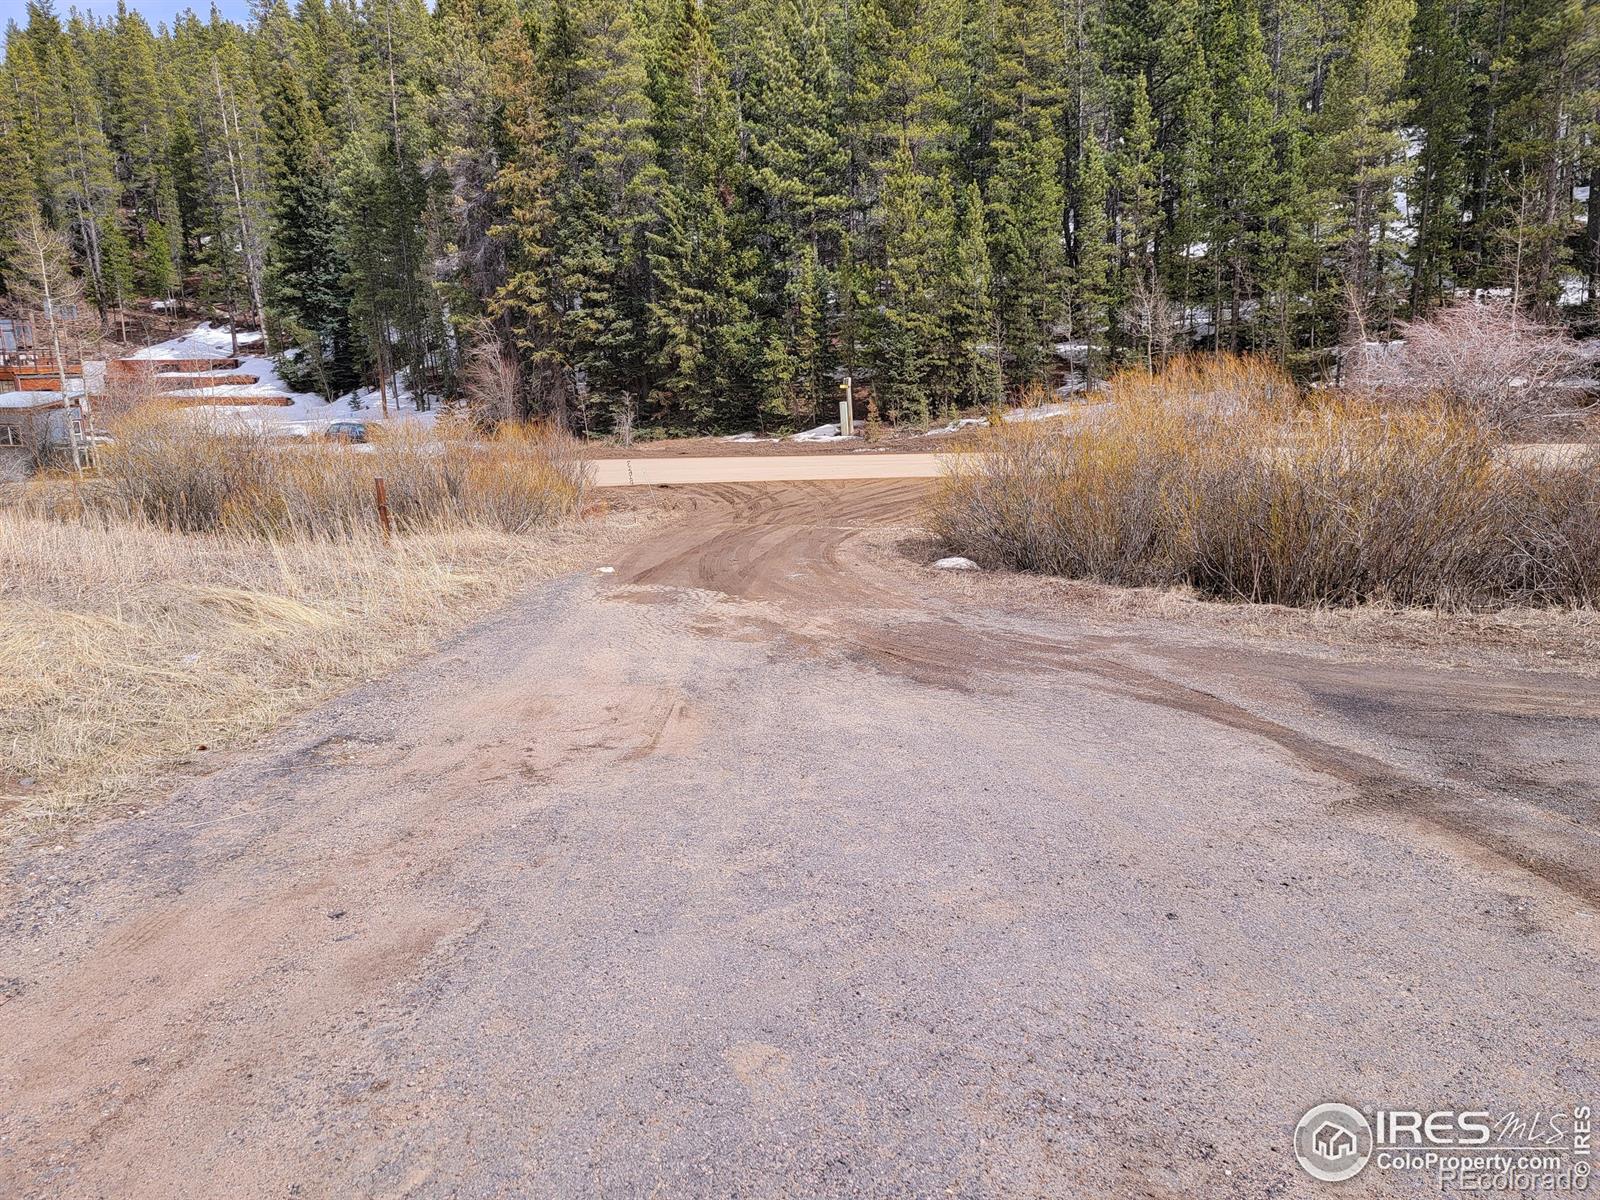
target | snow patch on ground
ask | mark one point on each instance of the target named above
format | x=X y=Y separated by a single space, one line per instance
x=205 y=340
x=956 y=426
x=955 y=563
x=823 y=433
x=1034 y=412
x=306 y=413
x=750 y=437
x=1040 y=412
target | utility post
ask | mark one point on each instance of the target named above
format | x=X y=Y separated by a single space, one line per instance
x=847 y=408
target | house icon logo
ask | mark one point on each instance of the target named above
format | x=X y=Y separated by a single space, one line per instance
x=1332 y=1142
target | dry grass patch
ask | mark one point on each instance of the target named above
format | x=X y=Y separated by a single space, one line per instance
x=126 y=650
x=207 y=584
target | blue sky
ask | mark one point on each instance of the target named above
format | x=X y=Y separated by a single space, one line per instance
x=155 y=11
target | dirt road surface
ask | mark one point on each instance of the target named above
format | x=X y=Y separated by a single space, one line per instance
x=749 y=468
x=767 y=866
x=862 y=464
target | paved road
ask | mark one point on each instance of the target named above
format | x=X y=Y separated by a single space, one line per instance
x=766 y=866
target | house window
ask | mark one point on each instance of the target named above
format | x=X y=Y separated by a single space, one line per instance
x=10 y=435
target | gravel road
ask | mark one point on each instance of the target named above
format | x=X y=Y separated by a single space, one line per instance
x=764 y=866
x=770 y=468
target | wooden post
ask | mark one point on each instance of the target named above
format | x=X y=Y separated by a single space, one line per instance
x=384 y=522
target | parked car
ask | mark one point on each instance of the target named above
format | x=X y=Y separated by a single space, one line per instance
x=353 y=432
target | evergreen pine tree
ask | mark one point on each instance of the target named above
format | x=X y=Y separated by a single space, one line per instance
x=18 y=199
x=141 y=140
x=306 y=289
x=1240 y=166
x=904 y=333
x=703 y=265
x=796 y=198
x=1438 y=86
x=528 y=303
x=1091 y=276
x=976 y=367
x=1026 y=203
x=1137 y=177
x=467 y=143
x=1361 y=161
x=604 y=201
x=85 y=192
x=1549 y=55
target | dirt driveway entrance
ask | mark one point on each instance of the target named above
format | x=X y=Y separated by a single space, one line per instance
x=751 y=868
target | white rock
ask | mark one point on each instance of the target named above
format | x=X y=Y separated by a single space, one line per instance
x=955 y=563
x=606 y=570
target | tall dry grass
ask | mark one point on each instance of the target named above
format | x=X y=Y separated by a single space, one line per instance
x=125 y=648
x=207 y=584
x=1219 y=475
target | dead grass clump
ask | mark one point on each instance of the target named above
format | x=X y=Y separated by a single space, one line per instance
x=1209 y=384
x=181 y=471
x=1224 y=482
x=126 y=649
x=209 y=583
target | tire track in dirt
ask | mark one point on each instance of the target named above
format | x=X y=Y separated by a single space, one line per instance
x=289 y=928
x=484 y=923
x=783 y=544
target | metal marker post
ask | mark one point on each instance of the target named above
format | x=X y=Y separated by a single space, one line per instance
x=385 y=523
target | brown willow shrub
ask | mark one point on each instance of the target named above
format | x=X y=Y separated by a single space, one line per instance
x=1484 y=358
x=1222 y=479
x=180 y=471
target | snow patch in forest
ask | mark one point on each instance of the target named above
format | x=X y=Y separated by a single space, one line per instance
x=956 y=426
x=205 y=340
x=1034 y=412
x=1040 y=412
x=823 y=433
x=306 y=413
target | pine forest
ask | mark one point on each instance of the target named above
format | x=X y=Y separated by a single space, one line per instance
x=701 y=215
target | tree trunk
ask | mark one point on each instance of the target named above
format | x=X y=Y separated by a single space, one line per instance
x=1592 y=236
x=246 y=238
